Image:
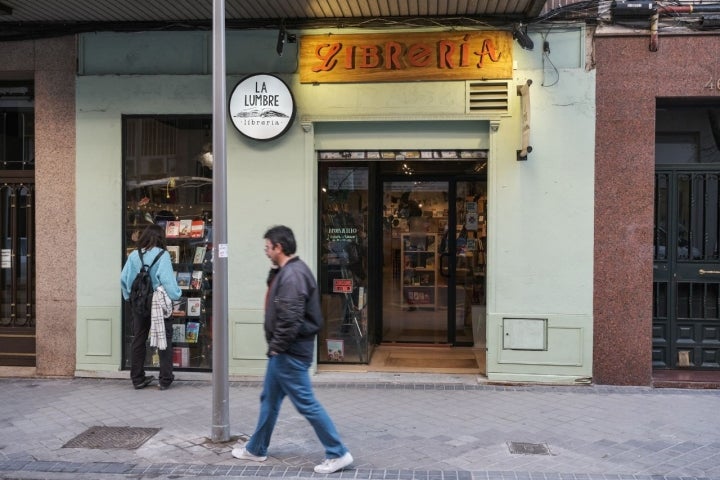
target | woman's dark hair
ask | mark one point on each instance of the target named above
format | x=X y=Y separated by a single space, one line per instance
x=152 y=236
x=283 y=236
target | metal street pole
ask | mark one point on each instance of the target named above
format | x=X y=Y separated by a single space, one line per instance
x=221 y=407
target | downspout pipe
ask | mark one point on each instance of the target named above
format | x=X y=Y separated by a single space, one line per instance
x=671 y=9
x=654 y=38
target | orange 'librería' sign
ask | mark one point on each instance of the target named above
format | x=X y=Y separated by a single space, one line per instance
x=403 y=57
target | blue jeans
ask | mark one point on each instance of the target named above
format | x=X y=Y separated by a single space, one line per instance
x=287 y=375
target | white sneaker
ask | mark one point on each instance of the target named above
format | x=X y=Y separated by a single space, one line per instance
x=243 y=454
x=332 y=465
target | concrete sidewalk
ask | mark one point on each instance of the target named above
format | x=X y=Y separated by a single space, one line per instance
x=397 y=426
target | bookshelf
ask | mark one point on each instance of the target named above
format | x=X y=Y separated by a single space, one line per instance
x=192 y=315
x=418 y=272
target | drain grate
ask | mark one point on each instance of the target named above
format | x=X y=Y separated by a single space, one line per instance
x=128 y=438
x=520 y=448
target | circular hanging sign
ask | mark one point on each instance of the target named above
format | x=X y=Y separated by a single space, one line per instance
x=262 y=107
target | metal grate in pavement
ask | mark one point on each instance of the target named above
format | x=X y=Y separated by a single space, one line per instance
x=128 y=438
x=520 y=448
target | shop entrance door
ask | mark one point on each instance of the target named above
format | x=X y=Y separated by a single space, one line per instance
x=433 y=276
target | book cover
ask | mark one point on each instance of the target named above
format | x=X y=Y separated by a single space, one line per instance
x=192 y=330
x=196 y=280
x=177 y=356
x=178 y=333
x=185 y=226
x=194 y=306
x=181 y=357
x=183 y=280
x=174 y=251
x=178 y=308
x=335 y=350
x=172 y=229
x=199 y=254
x=197 y=229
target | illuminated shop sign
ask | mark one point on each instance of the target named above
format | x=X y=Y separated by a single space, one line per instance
x=403 y=57
x=262 y=107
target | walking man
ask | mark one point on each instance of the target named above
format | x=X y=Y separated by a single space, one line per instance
x=292 y=319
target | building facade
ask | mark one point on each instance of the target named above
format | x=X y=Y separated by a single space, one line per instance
x=425 y=215
x=656 y=157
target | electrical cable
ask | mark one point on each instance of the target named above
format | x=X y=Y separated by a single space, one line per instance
x=546 y=58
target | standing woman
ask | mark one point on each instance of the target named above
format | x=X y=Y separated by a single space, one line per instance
x=150 y=245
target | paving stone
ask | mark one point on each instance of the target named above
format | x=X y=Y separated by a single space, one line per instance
x=415 y=430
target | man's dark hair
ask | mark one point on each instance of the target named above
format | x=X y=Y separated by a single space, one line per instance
x=283 y=236
x=152 y=236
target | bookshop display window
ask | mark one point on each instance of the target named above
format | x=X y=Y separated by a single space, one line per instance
x=168 y=181
x=343 y=263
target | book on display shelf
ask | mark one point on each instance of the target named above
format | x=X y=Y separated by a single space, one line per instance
x=181 y=357
x=197 y=229
x=183 y=280
x=199 y=254
x=174 y=251
x=185 y=227
x=194 y=306
x=172 y=229
x=196 y=280
x=192 y=330
x=178 y=333
x=178 y=308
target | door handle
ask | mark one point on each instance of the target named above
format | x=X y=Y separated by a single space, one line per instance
x=709 y=272
x=445 y=266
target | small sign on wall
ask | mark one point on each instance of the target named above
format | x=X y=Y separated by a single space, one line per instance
x=262 y=107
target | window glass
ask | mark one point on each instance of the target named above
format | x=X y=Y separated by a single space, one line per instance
x=168 y=181
x=343 y=263
x=17 y=126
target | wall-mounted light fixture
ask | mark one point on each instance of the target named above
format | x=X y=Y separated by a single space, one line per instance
x=283 y=37
x=520 y=34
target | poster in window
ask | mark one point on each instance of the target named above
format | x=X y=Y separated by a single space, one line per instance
x=335 y=350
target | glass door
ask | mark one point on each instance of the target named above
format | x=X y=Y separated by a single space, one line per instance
x=466 y=266
x=415 y=299
x=433 y=260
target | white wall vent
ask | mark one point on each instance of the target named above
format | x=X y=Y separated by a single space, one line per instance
x=485 y=96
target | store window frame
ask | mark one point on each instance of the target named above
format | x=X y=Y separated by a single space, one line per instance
x=167 y=180
x=344 y=235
